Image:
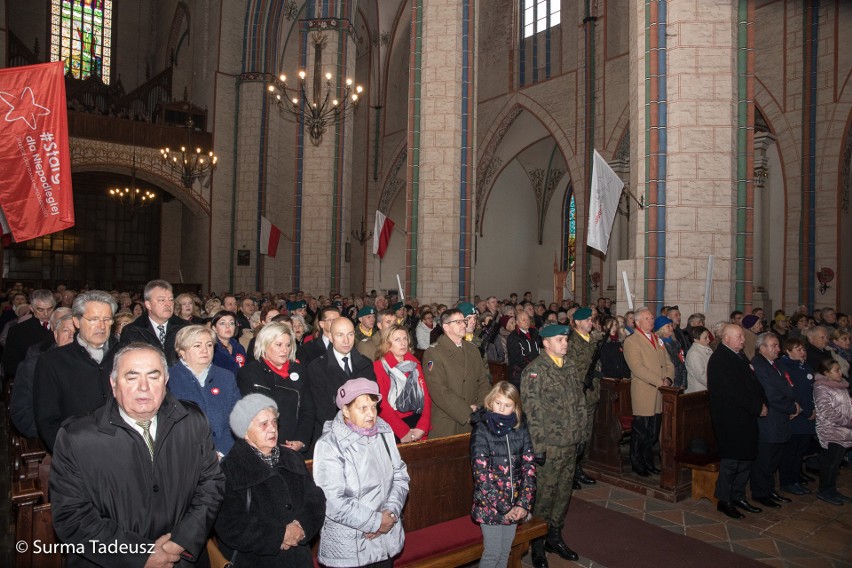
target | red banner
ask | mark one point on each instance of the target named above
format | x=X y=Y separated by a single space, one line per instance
x=35 y=164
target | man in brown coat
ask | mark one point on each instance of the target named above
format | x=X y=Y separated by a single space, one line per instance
x=456 y=377
x=650 y=368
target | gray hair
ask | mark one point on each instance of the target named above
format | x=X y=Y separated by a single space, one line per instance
x=78 y=308
x=136 y=347
x=45 y=296
x=59 y=315
x=267 y=335
x=811 y=332
x=763 y=338
x=149 y=288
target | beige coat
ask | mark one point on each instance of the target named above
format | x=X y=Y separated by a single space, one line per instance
x=648 y=367
x=457 y=378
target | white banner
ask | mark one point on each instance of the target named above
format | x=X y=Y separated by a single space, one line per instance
x=603 y=203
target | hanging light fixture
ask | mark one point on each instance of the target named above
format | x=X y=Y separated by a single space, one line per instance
x=320 y=108
x=132 y=198
x=190 y=163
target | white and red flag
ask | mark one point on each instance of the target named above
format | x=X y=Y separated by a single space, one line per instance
x=603 y=203
x=35 y=164
x=381 y=234
x=269 y=237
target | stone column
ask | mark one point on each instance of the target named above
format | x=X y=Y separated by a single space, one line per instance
x=440 y=189
x=324 y=169
x=683 y=95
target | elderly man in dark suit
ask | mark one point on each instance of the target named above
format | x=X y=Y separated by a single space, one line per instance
x=775 y=426
x=736 y=402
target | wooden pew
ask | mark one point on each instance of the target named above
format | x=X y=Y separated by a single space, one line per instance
x=33 y=521
x=613 y=420
x=687 y=417
x=499 y=372
x=438 y=529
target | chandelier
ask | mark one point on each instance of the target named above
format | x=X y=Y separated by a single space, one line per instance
x=132 y=198
x=187 y=164
x=321 y=107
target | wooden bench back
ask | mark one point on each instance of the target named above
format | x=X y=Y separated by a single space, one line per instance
x=441 y=487
x=685 y=417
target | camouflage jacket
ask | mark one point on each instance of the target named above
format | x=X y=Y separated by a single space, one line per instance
x=578 y=359
x=553 y=404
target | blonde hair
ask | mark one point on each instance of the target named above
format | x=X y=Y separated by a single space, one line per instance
x=385 y=344
x=268 y=333
x=189 y=334
x=508 y=390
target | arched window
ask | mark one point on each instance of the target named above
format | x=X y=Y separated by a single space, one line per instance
x=538 y=15
x=569 y=236
x=81 y=36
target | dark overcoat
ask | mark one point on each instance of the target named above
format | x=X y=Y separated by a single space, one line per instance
x=775 y=426
x=736 y=400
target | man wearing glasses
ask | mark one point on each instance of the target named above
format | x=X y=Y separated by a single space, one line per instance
x=30 y=332
x=74 y=379
x=456 y=376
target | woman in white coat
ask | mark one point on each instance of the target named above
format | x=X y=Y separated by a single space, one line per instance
x=696 y=360
x=365 y=481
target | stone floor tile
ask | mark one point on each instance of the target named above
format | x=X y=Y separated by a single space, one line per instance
x=764 y=545
x=675 y=517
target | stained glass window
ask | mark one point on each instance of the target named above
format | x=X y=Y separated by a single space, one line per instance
x=81 y=36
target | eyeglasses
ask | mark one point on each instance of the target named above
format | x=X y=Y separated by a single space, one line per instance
x=455 y=321
x=96 y=321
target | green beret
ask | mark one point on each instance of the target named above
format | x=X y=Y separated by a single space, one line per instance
x=397 y=306
x=467 y=309
x=582 y=314
x=366 y=311
x=552 y=330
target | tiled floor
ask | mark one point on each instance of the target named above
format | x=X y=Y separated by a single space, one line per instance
x=804 y=533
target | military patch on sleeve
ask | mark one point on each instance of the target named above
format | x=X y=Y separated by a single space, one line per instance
x=429 y=365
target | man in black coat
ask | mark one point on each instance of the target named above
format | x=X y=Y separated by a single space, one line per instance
x=328 y=373
x=21 y=409
x=140 y=473
x=24 y=335
x=816 y=346
x=316 y=347
x=159 y=325
x=736 y=402
x=522 y=346
x=775 y=426
x=74 y=379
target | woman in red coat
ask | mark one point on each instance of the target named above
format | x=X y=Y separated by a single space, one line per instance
x=406 y=405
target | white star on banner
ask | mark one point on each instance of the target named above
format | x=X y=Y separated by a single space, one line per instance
x=22 y=108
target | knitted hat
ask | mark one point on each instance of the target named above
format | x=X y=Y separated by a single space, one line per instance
x=353 y=388
x=246 y=409
x=750 y=320
x=660 y=322
x=504 y=320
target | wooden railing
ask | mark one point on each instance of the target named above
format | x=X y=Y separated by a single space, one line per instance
x=123 y=131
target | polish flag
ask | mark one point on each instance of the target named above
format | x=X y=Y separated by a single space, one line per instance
x=269 y=237
x=381 y=234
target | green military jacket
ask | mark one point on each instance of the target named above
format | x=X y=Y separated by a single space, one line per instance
x=361 y=336
x=369 y=346
x=554 y=404
x=578 y=359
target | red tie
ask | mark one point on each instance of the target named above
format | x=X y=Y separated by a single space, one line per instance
x=45 y=325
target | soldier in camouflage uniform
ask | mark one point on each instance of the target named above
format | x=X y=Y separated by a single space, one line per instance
x=581 y=350
x=554 y=408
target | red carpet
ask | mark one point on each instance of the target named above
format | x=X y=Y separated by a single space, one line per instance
x=617 y=540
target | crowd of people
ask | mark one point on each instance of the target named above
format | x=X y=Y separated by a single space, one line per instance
x=208 y=407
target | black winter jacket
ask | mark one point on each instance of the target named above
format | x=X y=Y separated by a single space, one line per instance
x=296 y=409
x=503 y=471
x=105 y=487
x=279 y=496
x=68 y=382
x=736 y=400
